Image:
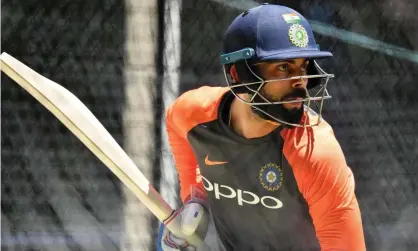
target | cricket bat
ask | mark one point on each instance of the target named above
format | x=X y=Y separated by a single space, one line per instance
x=85 y=126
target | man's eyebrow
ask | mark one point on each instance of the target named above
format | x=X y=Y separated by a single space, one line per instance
x=292 y=61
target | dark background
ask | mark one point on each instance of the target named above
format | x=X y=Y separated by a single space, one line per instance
x=57 y=196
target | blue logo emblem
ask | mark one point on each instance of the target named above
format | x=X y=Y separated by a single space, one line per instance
x=271 y=176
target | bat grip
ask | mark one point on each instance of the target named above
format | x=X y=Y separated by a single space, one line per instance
x=193 y=240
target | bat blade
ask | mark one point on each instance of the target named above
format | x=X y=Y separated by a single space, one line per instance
x=84 y=125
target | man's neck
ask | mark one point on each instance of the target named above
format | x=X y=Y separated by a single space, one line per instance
x=246 y=123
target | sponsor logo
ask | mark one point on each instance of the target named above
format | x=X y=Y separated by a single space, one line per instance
x=271 y=176
x=242 y=197
x=213 y=163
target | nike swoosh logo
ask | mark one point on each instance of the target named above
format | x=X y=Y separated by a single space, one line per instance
x=213 y=163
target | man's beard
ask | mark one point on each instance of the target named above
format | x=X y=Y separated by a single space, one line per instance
x=292 y=116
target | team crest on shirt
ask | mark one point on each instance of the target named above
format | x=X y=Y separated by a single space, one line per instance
x=271 y=176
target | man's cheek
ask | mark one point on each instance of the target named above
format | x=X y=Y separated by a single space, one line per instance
x=272 y=98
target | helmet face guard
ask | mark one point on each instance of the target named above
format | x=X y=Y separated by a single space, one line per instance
x=274 y=33
x=250 y=82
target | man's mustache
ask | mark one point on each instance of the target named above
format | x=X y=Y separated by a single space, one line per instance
x=297 y=93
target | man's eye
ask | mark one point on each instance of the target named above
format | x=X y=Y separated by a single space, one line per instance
x=304 y=67
x=283 y=67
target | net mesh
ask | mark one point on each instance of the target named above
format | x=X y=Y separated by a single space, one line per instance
x=57 y=196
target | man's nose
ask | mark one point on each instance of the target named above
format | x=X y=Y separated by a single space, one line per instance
x=300 y=83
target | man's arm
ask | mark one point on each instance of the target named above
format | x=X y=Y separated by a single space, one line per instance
x=327 y=184
x=334 y=207
x=193 y=215
x=189 y=110
x=185 y=160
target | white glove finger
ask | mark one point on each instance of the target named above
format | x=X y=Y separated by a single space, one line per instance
x=172 y=240
x=175 y=244
x=191 y=248
x=191 y=216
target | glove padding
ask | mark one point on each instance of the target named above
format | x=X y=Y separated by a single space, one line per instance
x=193 y=219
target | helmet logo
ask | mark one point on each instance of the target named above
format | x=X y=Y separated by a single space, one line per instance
x=291 y=18
x=298 y=35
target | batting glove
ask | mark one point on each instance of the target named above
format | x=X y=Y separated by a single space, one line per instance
x=194 y=218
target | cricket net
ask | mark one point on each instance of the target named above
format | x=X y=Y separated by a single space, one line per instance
x=128 y=60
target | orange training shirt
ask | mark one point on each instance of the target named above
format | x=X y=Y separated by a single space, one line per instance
x=289 y=190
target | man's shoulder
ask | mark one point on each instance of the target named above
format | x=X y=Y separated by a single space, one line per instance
x=321 y=130
x=196 y=101
x=196 y=106
x=203 y=97
x=316 y=144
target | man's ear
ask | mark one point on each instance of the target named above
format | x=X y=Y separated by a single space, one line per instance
x=233 y=73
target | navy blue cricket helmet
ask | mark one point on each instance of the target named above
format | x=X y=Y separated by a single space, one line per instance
x=272 y=33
